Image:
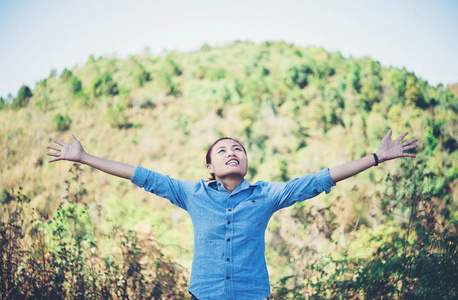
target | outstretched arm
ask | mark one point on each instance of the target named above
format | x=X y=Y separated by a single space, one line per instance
x=388 y=150
x=75 y=152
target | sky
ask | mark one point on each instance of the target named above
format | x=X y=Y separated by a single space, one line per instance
x=38 y=36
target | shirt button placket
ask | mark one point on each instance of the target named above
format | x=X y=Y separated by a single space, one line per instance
x=228 y=248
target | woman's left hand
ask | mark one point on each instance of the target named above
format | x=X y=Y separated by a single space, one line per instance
x=394 y=149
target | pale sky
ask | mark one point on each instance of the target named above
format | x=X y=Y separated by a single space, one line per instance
x=37 y=36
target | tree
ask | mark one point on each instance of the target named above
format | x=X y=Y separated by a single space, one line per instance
x=2 y=103
x=104 y=85
x=66 y=74
x=74 y=85
x=23 y=97
x=413 y=93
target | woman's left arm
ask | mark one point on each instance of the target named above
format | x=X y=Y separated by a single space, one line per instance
x=388 y=150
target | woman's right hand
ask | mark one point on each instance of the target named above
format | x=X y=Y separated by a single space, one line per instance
x=71 y=152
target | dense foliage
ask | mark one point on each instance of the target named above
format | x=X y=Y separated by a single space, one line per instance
x=63 y=257
x=389 y=232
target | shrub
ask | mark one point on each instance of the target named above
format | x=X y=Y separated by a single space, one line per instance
x=62 y=258
x=164 y=81
x=23 y=97
x=104 y=85
x=216 y=74
x=138 y=75
x=66 y=74
x=52 y=73
x=43 y=101
x=205 y=48
x=2 y=103
x=116 y=117
x=413 y=257
x=413 y=93
x=62 y=123
x=74 y=85
x=299 y=75
x=172 y=68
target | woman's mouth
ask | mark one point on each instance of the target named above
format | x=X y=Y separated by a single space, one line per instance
x=232 y=162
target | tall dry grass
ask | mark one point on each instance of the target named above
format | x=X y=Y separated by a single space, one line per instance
x=64 y=258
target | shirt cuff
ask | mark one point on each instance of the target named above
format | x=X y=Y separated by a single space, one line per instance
x=140 y=176
x=324 y=178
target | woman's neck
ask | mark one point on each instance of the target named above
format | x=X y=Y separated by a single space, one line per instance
x=231 y=182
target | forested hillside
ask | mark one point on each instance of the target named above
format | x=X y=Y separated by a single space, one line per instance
x=388 y=232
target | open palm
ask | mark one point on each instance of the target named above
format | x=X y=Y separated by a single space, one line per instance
x=393 y=149
x=72 y=152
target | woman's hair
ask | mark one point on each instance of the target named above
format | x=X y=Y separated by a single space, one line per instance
x=209 y=152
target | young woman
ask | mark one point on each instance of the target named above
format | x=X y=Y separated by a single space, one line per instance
x=229 y=214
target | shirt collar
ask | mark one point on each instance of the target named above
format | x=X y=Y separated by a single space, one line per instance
x=242 y=186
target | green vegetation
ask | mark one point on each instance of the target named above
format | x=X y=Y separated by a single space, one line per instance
x=62 y=123
x=23 y=97
x=387 y=233
x=104 y=85
x=63 y=257
x=74 y=85
x=116 y=117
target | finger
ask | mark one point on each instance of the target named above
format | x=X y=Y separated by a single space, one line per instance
x=410 y=147
x=388 y=135
x=409 y=142
x=54 y=148
x=402 y=136
x=409 y=155
x=54 y=159
x=53 y=154
x=74 y=138
x=59 y=142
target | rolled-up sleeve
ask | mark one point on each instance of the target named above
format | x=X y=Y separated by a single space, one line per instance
x=302 y=188
x=162 y=185
x=324 y=179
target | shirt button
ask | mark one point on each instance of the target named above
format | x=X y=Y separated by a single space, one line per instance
x=229 y=209
x=228 y=240
x=252 y=201
x=228 y=259
x=228 y=222
x=228 y=277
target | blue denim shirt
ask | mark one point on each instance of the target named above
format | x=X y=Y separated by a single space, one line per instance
x=229 y=246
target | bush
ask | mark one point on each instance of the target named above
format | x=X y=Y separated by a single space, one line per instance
x=299 y=75
x=23 y=97
x=171 y=67
x=2 y=103
x=413 y=257
x=216 y=74
x=74 y=85
x=104 y=85
x=205 y=48
x=66 y=74
x=62 y=258
x=199 y=72
x=62 y=123
x=116 y=117
x=138 y=75
x=164 y=81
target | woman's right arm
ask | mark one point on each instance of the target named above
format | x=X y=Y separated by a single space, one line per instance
x=75 y=152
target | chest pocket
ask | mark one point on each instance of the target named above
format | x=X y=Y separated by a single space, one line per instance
x=253 y=212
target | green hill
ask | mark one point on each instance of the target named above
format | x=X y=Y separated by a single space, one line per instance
x=297 y=110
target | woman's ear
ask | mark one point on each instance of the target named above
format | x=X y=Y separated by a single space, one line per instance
x=210 y=168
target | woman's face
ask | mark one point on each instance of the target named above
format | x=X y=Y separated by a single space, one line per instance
x=228 y=159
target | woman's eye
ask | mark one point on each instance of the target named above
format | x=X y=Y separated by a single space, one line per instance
x=238 y=149
x=220 y=151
